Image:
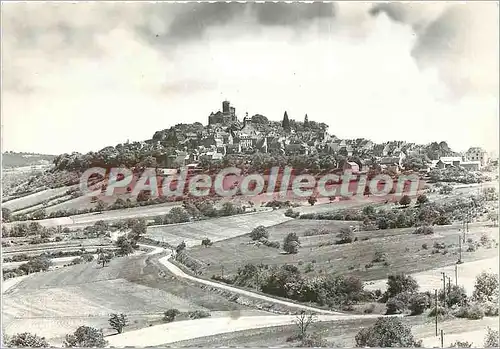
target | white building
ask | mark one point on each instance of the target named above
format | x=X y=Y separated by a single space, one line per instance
x=477 y=154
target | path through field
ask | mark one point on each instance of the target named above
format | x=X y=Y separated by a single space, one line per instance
x=184 y=330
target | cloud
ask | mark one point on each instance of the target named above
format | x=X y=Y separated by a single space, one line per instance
x=459 y=39
x=117 y=71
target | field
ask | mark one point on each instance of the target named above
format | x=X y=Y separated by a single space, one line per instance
x=404 y=250
x=215 y=229
x=54 y=303
x=35 y=199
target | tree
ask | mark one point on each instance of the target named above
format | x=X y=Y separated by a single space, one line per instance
x=181 y=247
x=418 y=303
x=39 y=214
x=259 y=233
x=291 y=243
x=101 y=206
x=386 y=332
x=124 y=245
x=405 y=201
x=345 y=236
x=27 y=339
x=422 y=199
x=491 y=339
x=400 y=283
x=206 y=242
x=312 y=200
x=6 y=214
x=486 y=288
x=303 y=322
x=306 y=121
x=104 y=258
x=170 y=315
x=286 y=122
x=455 y=295
x=493 y=216
x=87 y=337
x=118 y=322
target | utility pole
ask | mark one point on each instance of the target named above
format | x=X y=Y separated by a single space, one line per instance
x=459 y=250
x=436 y=310
x=449 y=284
x=444 y=289
x=222 y=272
x=442 y=339
x=456 y=274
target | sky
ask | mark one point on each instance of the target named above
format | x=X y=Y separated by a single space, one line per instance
x=83 y=76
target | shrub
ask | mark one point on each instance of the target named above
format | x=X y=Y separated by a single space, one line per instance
x=170 y=315
x=345 y=236
x=490 y=309
x=291 y=213
x=422 y=199
x=259 y=232
x=424 y=230
x=425 y=246
x=405 y=200
x=386 y=332
x=395 y=305
x=418 y=303
x=459 y=344
x=198 y=314
x=400 y=283
x=379 y=257
x=27 y=339
x=441 y=311
x=86 y=336
x=471 y=312
x=491 y=339
x=291 y=243
x=456 y=295
x=486 y=288
x=206 y=242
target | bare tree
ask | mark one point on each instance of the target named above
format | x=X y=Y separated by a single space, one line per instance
x=303 y=322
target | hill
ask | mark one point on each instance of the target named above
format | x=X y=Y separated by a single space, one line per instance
x=11 y=159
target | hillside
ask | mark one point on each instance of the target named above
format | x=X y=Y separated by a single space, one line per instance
x=12 y=159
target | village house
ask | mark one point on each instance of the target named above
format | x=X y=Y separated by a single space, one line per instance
x=477 y=154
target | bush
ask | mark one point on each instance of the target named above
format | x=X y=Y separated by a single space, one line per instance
x=405 y=200
x=259 y=233
x=486 y=288
x=424 y=230
x=418 y=303
x=425 y=246
x=471 y=312
x=345 y=236
x=291 y=213
x=86 y=336
x=400 y=283
x=441 y=311
x=490 y=309
x=386 y=332
x=491 y=339
x=395 y=305
x=291 y=243
x=456 y=295
x=206 y=242
x=379 y=257
x=27 y=339
x=459 y=344
x=170 y=315
x=198 y=314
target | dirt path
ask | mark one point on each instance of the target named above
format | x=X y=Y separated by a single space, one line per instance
x=179 y=273
x=189 y=329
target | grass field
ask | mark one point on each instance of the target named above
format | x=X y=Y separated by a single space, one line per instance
x=404 y=250
x=55 y=303
x=35 y=199
x=215 y=229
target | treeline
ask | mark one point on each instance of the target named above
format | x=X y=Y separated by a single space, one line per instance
x=423 y=213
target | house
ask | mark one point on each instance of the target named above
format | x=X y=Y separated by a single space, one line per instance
x=477 y=154
x=351 y=166
x=471 y=165
x=451 y=160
